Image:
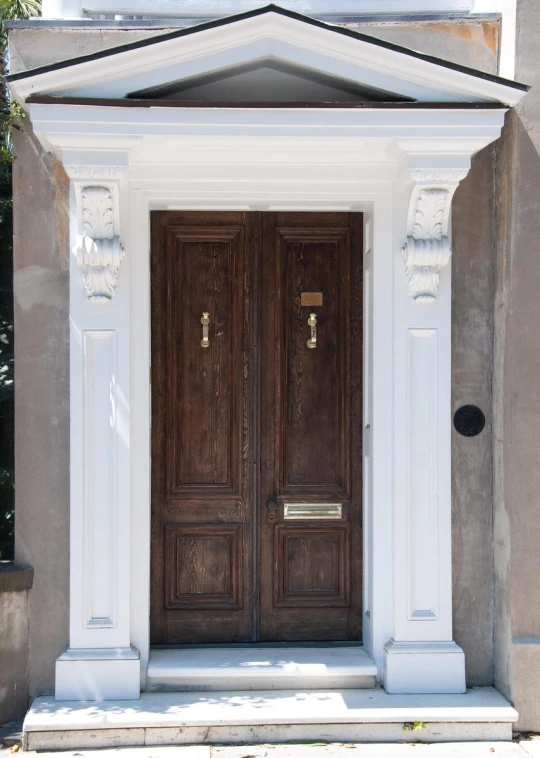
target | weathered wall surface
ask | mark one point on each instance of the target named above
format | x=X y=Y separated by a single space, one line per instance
x=471 y=43
x=517 y=389
x=473 y=249
x=42 y=365
x=42 y=397
x=15 y=582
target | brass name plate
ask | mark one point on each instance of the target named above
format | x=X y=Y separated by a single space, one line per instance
x=325 y=511
x=311 y=298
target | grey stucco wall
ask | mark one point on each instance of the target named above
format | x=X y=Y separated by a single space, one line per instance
x=42 y=354
x=15 y=582
x=42 y=398
x=516 y=409
x=473 y=252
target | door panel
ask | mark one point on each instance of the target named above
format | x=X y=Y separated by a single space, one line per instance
x=202 y=501
x=310 y=426
x=313 y=414
x=253 y=421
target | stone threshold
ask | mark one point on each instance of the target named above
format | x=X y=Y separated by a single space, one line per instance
x=259 y=667
x=482 y=714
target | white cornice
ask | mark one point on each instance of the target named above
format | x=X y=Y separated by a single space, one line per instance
x=77 y=126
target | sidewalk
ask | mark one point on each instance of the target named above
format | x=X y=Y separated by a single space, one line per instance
x=524 y=748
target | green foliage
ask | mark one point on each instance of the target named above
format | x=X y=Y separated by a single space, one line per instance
x=7 y=494
x=13 y=9
x=11 y=115
x=414 y=726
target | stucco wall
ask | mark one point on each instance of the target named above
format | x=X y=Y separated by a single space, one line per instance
x=15 y=582
x=517 y=389
x=473 y=250
x=42 y=397
x=42 y=391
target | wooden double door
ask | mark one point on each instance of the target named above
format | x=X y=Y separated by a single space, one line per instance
x=256 y=426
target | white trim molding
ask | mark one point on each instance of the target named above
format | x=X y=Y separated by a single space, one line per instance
x=421 y=655
x=100 y=663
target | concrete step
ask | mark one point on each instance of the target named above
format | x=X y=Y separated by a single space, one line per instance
x=167 y=718
x=256 y=667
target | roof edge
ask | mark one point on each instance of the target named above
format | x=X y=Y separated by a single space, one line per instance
x=227 y=20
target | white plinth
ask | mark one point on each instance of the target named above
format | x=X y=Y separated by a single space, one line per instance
x=424 y=667
x=108 y=674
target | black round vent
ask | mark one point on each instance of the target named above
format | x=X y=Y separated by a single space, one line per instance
x=469 y=420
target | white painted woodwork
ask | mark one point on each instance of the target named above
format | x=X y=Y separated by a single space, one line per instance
x=381 y=162
x=98 y=674
x=421 y=640
x=422 y=467
x=100 y=377
x=100 y=661
x=256 y=667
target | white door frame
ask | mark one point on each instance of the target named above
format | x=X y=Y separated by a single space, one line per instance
x=401 y=169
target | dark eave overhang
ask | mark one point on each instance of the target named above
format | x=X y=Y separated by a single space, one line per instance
x=149 y=103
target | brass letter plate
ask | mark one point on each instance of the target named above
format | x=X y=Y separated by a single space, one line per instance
x=304 y=511
x=311 y=298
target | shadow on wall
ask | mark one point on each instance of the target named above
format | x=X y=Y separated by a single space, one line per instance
x=516 y=414
x=15 y=583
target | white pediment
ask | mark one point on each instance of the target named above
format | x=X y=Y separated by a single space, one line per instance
x=268 y=55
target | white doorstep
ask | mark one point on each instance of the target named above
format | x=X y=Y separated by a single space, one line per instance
x=255 y=667
x=263 y=716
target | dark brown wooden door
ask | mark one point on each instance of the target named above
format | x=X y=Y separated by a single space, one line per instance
x=256 y=437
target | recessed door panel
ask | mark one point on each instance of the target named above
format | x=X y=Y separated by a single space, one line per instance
x=313 y=414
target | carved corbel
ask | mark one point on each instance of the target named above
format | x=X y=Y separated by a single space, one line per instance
x=98 y=249
x=427 y=248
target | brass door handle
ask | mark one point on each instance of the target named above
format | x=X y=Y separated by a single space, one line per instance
x=312 y=323
x=205 y=320
x=273 y=508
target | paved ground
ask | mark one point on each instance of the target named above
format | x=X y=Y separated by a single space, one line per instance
x=524 y=748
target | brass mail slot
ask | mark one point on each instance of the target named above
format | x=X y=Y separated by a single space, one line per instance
x=311 y=298
x=312 y=510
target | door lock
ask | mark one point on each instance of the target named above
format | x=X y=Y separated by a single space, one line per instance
x=273 y=512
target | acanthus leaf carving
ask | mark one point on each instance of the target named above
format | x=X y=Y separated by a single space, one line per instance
x=427 y=248
x=99 y=252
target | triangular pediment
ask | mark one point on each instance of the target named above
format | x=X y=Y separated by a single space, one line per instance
x=268 y=80
x=265 y=56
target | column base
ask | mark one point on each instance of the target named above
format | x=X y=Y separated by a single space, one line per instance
x=95 y=674
x=424 y=668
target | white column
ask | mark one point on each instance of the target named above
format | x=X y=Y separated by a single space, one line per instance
x=422 y=656
x=100 y=663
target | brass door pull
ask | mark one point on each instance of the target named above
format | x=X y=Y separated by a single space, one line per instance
x=205 y=320
x=312 y=322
